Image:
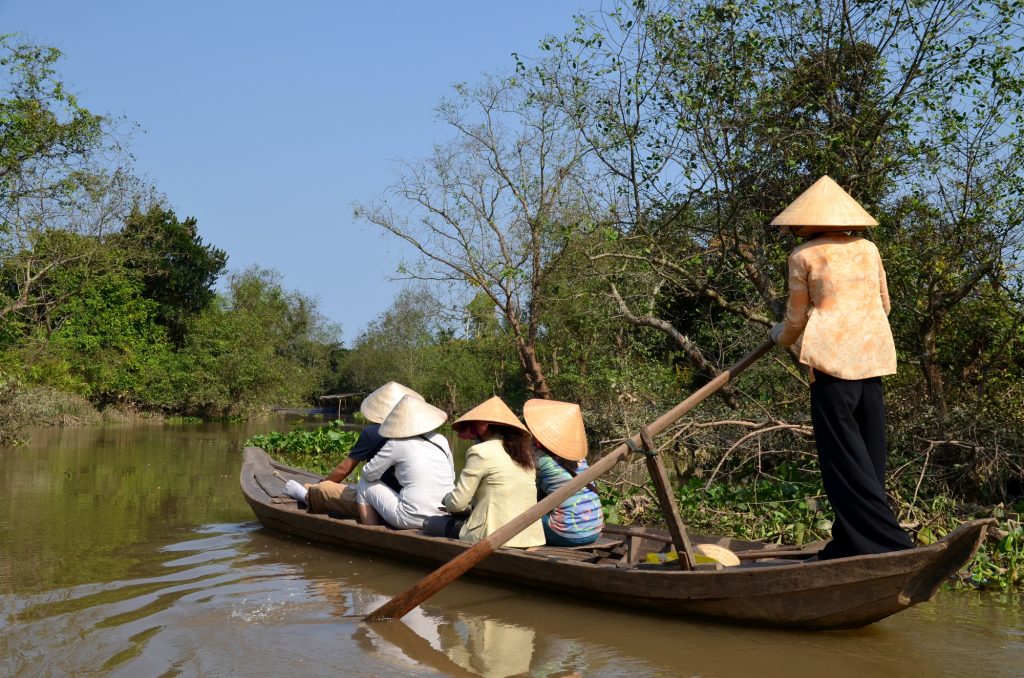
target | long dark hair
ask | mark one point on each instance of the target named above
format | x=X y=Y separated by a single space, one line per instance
x=518 y=444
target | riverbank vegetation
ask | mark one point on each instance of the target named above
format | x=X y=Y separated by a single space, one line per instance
x=109 y=303
x=595 y=229
x=316 y=449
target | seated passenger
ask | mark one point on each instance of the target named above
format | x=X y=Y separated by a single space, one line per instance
x=422 y=461
x=497 y=483
x=330 y=494
x=560 y=455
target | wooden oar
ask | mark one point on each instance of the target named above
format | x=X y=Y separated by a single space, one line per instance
x=398 y=606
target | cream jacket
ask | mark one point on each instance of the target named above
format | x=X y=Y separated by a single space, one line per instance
x=839 y=301
x=498 y=490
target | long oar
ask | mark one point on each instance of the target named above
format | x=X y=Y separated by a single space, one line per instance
x=398 y=606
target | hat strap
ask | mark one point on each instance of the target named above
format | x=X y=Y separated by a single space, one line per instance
x=424 y=436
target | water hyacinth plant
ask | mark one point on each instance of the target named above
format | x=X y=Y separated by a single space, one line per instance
x=318 y=450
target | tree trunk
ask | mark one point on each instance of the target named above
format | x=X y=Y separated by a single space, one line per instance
x=932 y=374
x=533 y=371
x=692 y=351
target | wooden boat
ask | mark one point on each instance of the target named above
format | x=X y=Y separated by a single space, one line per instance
x=769 y=588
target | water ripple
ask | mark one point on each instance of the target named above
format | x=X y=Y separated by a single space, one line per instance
x=110 y=625
x=229 y=599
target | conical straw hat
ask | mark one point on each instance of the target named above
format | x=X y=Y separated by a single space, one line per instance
x=493 y=411
x=557 y=426
x=719 y=554
x=377 y=405
x=412 y=416
x=825 y=206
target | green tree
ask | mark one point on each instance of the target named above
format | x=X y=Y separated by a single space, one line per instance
x=257 y=345
x=178 y=269
x=490 y=210
x=706 y=119
x=101 y=341
x=453 y=361
x=55 y=173
x=110 y=341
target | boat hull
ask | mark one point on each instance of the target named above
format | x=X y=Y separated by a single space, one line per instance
x=835 y=594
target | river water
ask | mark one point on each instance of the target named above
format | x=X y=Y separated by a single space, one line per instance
x=129 y=551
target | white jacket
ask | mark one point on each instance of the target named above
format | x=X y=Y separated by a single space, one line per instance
x=426 y=470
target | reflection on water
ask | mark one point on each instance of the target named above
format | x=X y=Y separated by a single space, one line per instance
x=130 y=552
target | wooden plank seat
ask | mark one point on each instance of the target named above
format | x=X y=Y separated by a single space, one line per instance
x=601 y=551
x=601 y=543
x=561 y=553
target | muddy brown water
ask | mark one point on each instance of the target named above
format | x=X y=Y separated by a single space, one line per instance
x=129 y=551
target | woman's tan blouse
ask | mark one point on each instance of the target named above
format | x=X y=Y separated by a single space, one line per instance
x=839 y=300
x=498 y=490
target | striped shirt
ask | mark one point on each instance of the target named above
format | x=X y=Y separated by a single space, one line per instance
x=578 y=516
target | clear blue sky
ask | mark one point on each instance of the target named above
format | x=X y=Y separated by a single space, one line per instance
x=268 y=120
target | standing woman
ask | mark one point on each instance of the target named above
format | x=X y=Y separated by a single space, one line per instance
x=497 y=483
x=560 y=455
x=839 y=302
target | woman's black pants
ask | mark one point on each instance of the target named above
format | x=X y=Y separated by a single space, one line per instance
x=849 y=431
